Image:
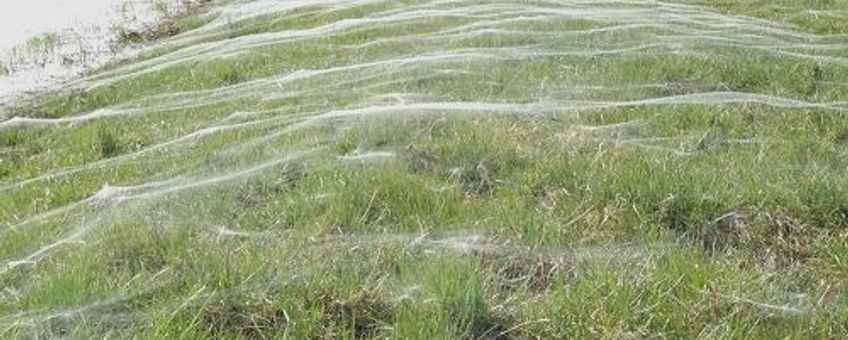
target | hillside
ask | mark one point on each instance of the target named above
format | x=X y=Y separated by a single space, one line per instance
x=441 y=169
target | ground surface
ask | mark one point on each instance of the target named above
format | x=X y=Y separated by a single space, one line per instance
x=450 y=169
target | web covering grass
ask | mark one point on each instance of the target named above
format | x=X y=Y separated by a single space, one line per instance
x=447 y=169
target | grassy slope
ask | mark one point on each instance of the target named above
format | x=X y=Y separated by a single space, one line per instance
x=626 y=221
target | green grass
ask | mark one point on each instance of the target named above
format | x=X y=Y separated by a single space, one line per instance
x=816 y=16
x=557 y=177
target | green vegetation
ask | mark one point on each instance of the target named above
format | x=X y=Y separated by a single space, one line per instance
x=414 y=170
x=817 y=16
x=37 y=50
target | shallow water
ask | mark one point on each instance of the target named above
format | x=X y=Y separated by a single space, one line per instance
x=20 y=20
x=84 y=30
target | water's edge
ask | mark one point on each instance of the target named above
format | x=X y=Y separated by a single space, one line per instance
x=46 y=60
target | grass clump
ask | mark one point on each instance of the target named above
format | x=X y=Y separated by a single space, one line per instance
x=170 y=24
x=250 y=319
x=108 y=144
x=363 y=315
